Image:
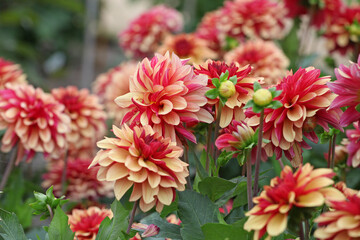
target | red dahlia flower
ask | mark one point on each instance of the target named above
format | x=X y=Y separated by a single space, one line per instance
x=353 y=147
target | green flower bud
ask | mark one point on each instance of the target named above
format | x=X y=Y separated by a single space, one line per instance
x=262 y=97
x=227 y=89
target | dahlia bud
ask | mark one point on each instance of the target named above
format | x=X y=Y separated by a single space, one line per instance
x=227 y=89
x=262 y=97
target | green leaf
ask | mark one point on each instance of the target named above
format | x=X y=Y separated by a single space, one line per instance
x=233 y=79
x=357 y=107
x=223 y=100
x=241 y=199
x=249 y=104
x=10 y=226
x=212 y=93
x=194 y=211
x=59 y=228
x=112 y=229
x=276 y=104
x=274 y=93
x=199 y=166
x=167 y=230
x=257 y=86
x=224 y=76
x=216 y=231
x=215 y=187
x=216 y=82
x=224 y=158
x=257 y=109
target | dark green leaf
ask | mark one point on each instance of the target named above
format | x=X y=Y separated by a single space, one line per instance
x=257 y=109
x=59 y=228
x=212 y=93
x=241 y=199
x=224 y=158
x=215 y=187
x=216 y=82
x=223 y=100
x=10 y=226
x=249 y=104
x=199 y=166
x=216 y=231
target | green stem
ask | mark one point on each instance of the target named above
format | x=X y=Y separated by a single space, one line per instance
x=248 y=178
x=8 y=170
x=216 y=133
x=63 y=176
x=332 y=163
x=50 y=211
x=132 y=217
x=329 y=152
x=258 y=153
x=301 y=231
x=208 y=147
x=186 y=159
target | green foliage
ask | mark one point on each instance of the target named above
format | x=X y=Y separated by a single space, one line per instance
x=59 y=228
x=167 y=230
x=215 y=187
x=10 y=228
x=216 y=231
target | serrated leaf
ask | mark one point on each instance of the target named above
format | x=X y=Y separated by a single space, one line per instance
x=216 y=82
x=194 y=211
x=10 y=226
x=215 y=187
x=257 y=86
x=167 y=230
x=59 y=228
x=212 y=93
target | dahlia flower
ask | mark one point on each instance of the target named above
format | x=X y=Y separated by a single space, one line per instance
x=86 y=223
x=87 y=118
x=244 y=88
x=347 y=87
x=342 y=221
x=146 y=32
x=305 y=98
x=173 y=219
x=305 y=188
x=112 y=84
x=254 y=19
x=34 y=120
x=10 y=73
x=142 y=158
x=81 y=182
x=187 y=46
x=266 y=59
x=353 y=147
x=341 y=186
x=166 y=94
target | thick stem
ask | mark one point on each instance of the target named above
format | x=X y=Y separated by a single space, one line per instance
x=63 y=176
x=281 y=163
x=208 y=147
x=50 y=211
x=301 y=231
x=332 y=163
x=186 y=159
x=216 y=133
x=307 y=230
x=329 y=153
x=258 y=154
x=8 y=170
x=131 y=220
x=249 y=185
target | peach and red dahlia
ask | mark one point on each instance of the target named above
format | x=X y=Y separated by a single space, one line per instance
x=87 y=118
x=353 y=147
x=142 y=158
x=254 y=19
x=244 y=88
x=10 y=73
x=347 y=87
x=86 y=223
x=304 y=189
x=145 y=33
x=187 y=46
x=266 y=59
x=166 y=94
x=34 y=120
x=305 y=98
x=342 y=221
x=81 y=182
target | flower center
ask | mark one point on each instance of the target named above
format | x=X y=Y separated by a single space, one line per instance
x=183 y=48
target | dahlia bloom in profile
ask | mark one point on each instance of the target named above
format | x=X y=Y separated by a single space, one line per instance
x=305 y=98
x=10 y=73
x=266 y=59
x=143 y=159
x=303 y=189
x=112 y=84
x=342 y=221
x=254 y=19
x=166 y=94
x=187 y=46
x=86 y=223
x=145 y=33
x=244 y=88
x=87 y=118
x=341 y=186
x=34 y=120
x=81 y=182
x=353 y=147
x=347 y=87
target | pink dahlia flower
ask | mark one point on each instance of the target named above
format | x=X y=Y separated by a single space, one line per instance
x=87 y=118
x=305 y=98
x=254 y=19
x=353 y=147
x=266 y=59
x=243 y=88
x=146 y=32
x=34 y=120
x=187 y=46
x=10 y=73
x=81 y=182
x=143 y=159
x=347 y=87
x=86 y=222
x=166 y=94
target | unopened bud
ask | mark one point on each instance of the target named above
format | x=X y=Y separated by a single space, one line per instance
x=227 y=89
x=262 y=97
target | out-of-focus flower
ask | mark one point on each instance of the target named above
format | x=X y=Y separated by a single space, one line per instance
x=341 y=186
x=244 y=88
x=34 y=120
x=341 y=152
x=304 y=189
x=87 y=118
x=136 y=237
x=81 y=182
x=112 y=84
x=146 y=32
x=266 y=59
x=145 y=160
x=353 y=147
x=305 y=98
x=343 y=219
x=254 y=19
x=166 y=94
x=86 y=223
x=187 y=46
x=347 y=87
x=148 y=230
x=173 y=219
x=10 y=73
x=228 y=207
